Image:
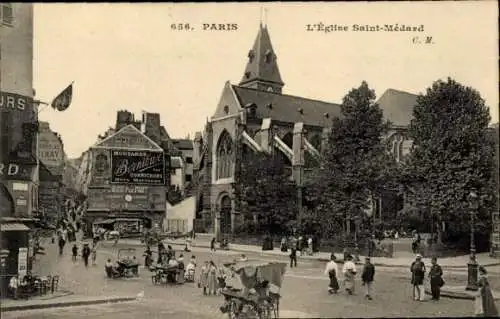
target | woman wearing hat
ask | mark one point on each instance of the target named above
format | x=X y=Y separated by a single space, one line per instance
x=484 y=303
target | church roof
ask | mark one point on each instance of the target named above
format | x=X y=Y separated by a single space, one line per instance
x=398 y=106
x=288 y=108
x=262 y=64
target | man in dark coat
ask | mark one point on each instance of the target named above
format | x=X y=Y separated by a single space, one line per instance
x=367 y=277
x=417 y=278
x=86 y=254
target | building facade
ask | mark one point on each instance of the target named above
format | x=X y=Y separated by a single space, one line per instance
x=256 y=116
x=52 y=162
x=18 y=126
x=185 y=146
x=126 y=182
x=177 y=173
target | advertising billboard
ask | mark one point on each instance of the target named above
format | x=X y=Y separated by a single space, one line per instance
x=137 y=167
x=127 y=198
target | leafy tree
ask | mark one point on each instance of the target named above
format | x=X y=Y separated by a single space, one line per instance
x=451 y=155
x=356 y=162
x=267 y=194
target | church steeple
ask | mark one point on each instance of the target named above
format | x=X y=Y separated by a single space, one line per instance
x=262 y=71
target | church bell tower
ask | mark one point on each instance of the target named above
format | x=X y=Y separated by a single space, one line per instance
x=262 y=71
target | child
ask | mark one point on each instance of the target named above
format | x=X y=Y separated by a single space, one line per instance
x=75 y=252
x=203 y=281
x=94 y=255
x=190 y=269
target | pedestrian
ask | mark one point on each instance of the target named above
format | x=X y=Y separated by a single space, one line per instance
x=62 y=242
x=212 y=278
x=367 y=277
x=484 y=302
x=283 y=247
x=181 y=267
x=203 y=279
x=75 y=252
x=349 y=271
x=293 y=257
x=436 y=279
x=212 y=244
x=332 y=270
x=86 y=254
x=94 y=255
x=13 y=285
x=417 y=269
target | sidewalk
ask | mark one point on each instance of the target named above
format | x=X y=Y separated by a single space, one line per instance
x=459 y=292
x=459 y=262
x=67 y=301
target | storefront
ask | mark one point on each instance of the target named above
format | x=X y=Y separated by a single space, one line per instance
x=127 y=187
x=125 y=226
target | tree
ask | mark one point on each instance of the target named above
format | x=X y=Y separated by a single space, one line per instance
x=356 y=163
x=267 y=194
x=451 y=155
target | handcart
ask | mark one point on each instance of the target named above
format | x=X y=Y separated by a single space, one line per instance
x=254 y=290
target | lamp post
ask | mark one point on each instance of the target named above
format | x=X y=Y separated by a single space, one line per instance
x=472 y=266
x=369 y=214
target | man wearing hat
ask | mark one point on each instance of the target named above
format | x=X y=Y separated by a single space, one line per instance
x=417 y=278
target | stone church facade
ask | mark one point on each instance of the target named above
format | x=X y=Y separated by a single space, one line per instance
x=255 y=116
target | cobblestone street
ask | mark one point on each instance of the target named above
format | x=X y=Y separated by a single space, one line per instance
x=304 y=293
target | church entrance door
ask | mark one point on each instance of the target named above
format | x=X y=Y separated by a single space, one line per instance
x=225 y=215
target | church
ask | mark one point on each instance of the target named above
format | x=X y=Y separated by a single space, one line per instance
x=255 y=116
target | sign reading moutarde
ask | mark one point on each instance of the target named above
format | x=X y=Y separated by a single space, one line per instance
x=137 y=167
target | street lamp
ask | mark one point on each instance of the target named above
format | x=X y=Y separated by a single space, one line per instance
x=369 y=214
x=472 y=265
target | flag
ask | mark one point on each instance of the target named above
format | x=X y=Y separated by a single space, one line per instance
x=63 y=100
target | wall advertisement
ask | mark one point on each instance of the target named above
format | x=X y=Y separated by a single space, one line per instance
x=127 y=198
x=137 y=167
x=22 y=262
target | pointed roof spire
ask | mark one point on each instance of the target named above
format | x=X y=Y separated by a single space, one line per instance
x=262 y=67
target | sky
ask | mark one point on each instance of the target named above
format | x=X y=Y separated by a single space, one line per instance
x=127 y=56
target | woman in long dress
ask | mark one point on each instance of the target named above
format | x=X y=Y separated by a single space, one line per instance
x=485 y=303
x=349 y=271
x=212 y=278
x=331 y=271
x=203 y=281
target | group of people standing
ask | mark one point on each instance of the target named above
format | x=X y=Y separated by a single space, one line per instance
x=349 y=273
x=86 y=253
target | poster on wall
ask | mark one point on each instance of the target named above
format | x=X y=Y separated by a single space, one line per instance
x=100 y=167
x=22 y=262
x=137 y=167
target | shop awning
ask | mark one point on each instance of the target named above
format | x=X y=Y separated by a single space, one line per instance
x=14 y=227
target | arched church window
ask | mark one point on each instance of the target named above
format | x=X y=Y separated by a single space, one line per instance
x=225 y=154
